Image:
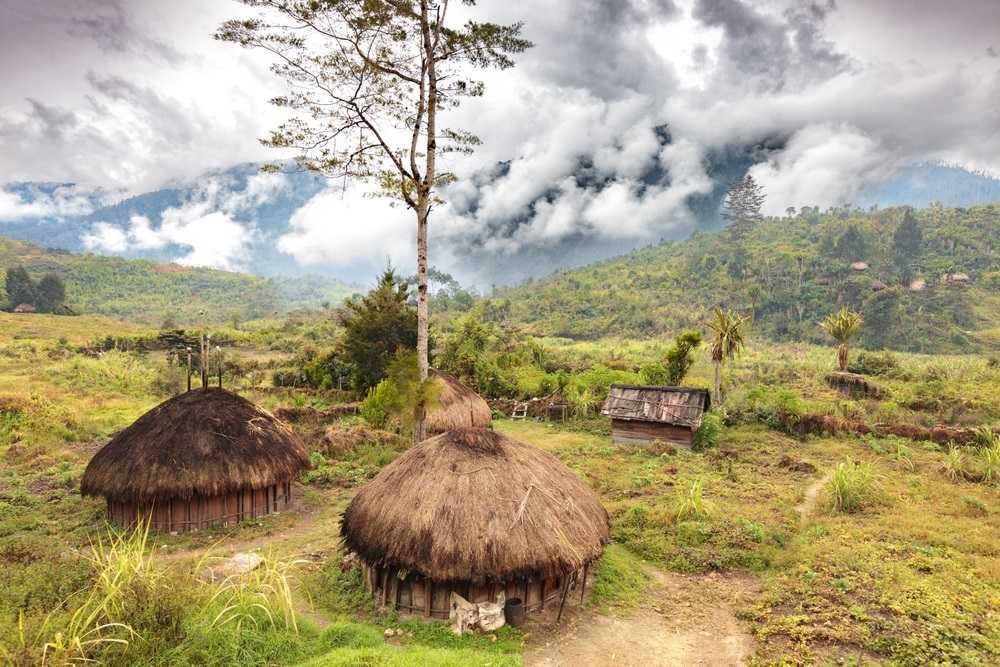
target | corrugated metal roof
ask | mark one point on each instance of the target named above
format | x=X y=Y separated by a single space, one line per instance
x=682 y=406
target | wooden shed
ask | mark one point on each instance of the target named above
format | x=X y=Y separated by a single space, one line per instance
x=476 y=513
x=205 y=457
x=641 y=414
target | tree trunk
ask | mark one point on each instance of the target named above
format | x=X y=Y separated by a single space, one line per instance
x=423 y=362
x=718 y=382
x=842 y=357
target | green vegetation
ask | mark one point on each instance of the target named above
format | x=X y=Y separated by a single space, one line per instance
x=842 y=326
x=797 y=266
x=376 y=326
x=853 y=486
x=151 y=293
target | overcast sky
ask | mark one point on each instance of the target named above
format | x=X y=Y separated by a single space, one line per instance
x=130 y=95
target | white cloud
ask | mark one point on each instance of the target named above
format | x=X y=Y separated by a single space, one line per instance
x=205 y=225
x=62 y=201
x=350 y=229
x=823 y=165
x=106 y=237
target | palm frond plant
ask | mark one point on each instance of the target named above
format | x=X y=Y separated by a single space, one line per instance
x=728 y=339
x=842 y=326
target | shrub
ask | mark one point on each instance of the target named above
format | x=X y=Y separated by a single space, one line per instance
x=376 y=409
x=707 y=434
x=654 y=374
x=874 y=363
x=853 y=486
x=780 y=409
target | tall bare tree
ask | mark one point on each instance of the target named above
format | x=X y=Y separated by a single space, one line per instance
x=367 y=80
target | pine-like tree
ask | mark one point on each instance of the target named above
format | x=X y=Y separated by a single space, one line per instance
x=742 y=206
x=376 y=326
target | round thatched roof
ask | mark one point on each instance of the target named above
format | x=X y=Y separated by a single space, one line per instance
x=203 y=442
x=458 y=406
x=475 y=505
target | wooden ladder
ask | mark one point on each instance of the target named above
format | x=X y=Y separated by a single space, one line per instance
x=520 y=411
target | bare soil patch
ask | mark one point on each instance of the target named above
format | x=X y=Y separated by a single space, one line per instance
x=683 y=620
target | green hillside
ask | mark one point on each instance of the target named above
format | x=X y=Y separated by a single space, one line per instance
x=790 y=272
x=150 y=292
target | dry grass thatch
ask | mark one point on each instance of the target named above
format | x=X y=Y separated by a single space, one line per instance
x=458 y=406
x=203 y=442
x=340 y=438
x=475 y=505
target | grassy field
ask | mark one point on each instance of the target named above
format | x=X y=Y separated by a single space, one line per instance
x=870 y=550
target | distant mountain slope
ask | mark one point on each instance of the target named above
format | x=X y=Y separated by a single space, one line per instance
x=237 y=216
x=149 y=292
x=797 y=270
x=921 y=186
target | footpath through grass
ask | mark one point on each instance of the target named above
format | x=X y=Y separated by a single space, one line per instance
x=907 y=572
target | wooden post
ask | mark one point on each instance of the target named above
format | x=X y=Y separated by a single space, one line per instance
x=189 y=368
x=565 y=592
x=385 y=585
x=428 y=596
x=583 y=585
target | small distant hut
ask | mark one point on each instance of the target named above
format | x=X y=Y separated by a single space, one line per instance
x=476 y=513
x=859 y=266
x=958 y=278
x=202 y=458
x=877 y=285
x=458 y=406
x=918 y=285
x=24 y=308
x=641 y=414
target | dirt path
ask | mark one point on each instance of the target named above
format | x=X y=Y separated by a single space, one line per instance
x=811 y=497
x=683 y=620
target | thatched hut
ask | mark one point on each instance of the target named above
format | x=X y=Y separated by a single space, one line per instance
x=475 y=513
x=202 y=458
x=641 y=414
x=458 y=406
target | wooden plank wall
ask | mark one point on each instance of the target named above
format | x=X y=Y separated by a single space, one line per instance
x=409 y=595
x=626 y=431
x=180 y=516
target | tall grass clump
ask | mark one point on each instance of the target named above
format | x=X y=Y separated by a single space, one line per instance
x=990 y=463
x=259 y=598
x=854 y=485
x=689 y=504
x=124 y=582
x=953 y=464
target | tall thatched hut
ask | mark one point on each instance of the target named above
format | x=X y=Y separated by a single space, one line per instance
x=458 y=406
x=202 y=458
x=474 y=512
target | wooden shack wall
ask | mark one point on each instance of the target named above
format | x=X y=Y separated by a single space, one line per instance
x=178 y=516
x=410 y=595
x=634 y=432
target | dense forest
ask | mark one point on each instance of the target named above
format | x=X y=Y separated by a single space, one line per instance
x=152 y=293
x=930 y=285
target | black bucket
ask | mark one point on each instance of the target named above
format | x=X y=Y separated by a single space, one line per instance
x=513 y=611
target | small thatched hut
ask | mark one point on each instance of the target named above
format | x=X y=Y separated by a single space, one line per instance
x=641 y=414
x=476 y=513
x=458 y=406
x=204 y=457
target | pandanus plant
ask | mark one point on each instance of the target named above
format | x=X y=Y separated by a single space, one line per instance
x=842 y=327
x=727 y=340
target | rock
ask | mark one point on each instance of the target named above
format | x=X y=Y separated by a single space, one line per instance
x=389 y=632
